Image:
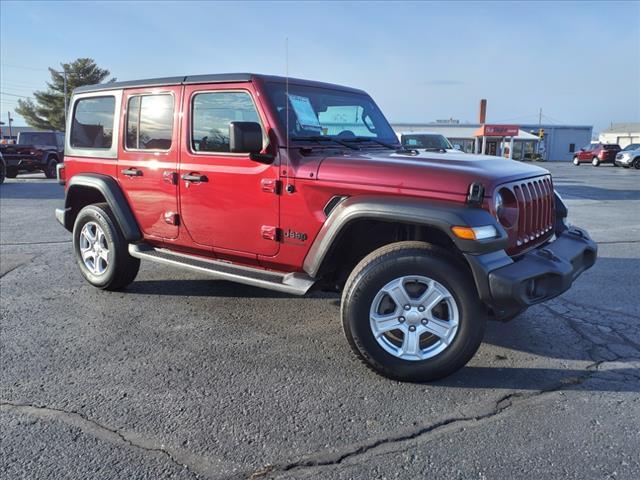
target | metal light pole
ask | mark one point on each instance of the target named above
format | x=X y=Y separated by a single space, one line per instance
x=66 y=101
x=10 y=120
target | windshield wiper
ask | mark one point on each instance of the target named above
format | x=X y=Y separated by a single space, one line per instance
x=323 y=138
x=369 y=139
x=436 y=149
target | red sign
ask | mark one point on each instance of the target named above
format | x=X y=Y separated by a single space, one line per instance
x=498 y=131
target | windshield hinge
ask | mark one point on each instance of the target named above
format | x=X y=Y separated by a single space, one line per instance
x=476 y=194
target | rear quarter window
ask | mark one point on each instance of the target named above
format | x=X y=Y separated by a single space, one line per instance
x=92 y=125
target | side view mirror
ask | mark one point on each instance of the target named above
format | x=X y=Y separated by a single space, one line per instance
x=245 y=137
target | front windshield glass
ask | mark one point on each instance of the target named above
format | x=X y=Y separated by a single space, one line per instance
x=632 y=146
x=428 y=141
x=322 y=112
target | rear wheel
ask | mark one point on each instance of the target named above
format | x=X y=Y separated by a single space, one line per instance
x=101 y=250
x=595 y=161
x=50 y=168
x=3 y=170
x=410 y=312
x=576 y=162
x=636 y=163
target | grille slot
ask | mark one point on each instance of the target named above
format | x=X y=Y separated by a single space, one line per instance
x=536 y=214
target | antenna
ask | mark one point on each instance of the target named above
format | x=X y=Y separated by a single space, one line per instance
x=289 y=187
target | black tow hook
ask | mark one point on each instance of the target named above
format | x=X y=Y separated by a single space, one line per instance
x=548 y=254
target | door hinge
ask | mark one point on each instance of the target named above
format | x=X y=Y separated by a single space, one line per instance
x=269 y=232
x=172 y=218
x=170 y=177
x=270 y=185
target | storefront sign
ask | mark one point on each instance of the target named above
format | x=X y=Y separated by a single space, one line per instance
x=498 y=131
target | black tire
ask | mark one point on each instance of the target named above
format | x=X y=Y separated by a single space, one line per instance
x=122 y=268
x=50 y=168
x=3 y=171
x=595 y=161
x=11 y=172
x=406 y=259
x=636 y=163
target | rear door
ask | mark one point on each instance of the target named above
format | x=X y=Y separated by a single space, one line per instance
x=148 y=158
x=227 y=200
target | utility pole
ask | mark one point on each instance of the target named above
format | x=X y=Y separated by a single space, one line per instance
x=10 y=120
x=64 y=77
x=540 y=118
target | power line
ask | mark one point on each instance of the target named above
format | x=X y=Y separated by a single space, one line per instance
x=14 y=95
x=25 y=68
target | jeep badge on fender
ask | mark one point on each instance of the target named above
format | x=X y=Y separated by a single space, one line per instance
x=423 y=249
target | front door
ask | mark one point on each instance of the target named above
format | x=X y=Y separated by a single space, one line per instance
x=227 y=200
x=148 y=158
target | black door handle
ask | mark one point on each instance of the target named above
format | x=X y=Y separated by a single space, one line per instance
x=194 y=177
x=132 y=172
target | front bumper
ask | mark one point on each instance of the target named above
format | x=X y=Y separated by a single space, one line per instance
x=623 y=162
x=510 y=285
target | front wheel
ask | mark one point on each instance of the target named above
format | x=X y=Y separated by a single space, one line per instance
x=411 y=312
x=101 y=250
x=576 y=162
x=595 y=161
x=636 y=164
x=50 y=168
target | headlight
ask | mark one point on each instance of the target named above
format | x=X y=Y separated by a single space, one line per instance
x=506 y=207
x=499 y=205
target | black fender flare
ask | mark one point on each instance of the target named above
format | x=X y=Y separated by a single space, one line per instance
x=438 y=214
x=112 y=193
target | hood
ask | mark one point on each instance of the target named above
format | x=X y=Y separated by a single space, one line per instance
x=450 y=172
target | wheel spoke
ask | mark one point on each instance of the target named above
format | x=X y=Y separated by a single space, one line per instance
x=432 y=297
x=88 y=255
x=398 y=293
x=411 y=343
x=385 y=323
x=439 y=328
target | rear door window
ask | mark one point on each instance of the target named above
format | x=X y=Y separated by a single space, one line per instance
x=92 y=125
x=149 y=122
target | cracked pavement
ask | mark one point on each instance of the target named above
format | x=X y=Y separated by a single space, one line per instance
x=180 y=376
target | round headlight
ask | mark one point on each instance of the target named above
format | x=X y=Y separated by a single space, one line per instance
x=499 y=205
x=506 y=207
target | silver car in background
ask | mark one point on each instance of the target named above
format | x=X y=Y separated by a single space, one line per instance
x=629 y=156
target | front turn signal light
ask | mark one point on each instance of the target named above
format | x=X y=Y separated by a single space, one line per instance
x=475 y=233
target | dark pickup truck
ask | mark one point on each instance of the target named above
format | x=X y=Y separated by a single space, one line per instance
x=34 y=151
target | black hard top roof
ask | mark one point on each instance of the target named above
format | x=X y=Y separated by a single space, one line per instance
x=212 y=78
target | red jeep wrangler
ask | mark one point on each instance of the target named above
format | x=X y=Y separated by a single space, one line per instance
x=291 y=184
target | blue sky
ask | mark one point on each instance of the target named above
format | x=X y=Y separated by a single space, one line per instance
x=579 y=62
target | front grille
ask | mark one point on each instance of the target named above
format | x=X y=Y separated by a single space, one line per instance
x=536 y=213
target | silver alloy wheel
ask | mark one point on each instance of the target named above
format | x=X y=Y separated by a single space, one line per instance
x=595 y=162
x=414 y=318
x=576 y=161
x=94 y=248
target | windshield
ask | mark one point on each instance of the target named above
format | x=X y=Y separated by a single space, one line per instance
x=611 y=147
x=36 y=138
x=632 y=146
x=426 y=140
x=322 y=112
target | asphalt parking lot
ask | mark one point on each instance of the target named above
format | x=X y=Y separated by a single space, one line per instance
x=180 y=376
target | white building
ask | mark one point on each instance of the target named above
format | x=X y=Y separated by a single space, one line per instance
x=621 y=133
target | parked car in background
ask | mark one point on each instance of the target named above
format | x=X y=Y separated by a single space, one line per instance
x=428 y=141
x=597 y=153
x=34 y=151
x=3 y=169
x=629 y=156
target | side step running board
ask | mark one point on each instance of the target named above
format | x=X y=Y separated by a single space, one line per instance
x=293 y=283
